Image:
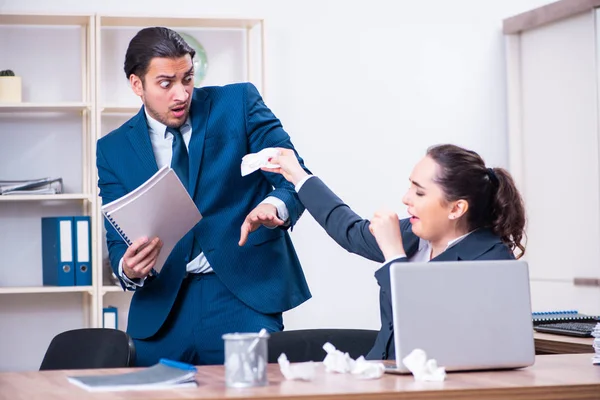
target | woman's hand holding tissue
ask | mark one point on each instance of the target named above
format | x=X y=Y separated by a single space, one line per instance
x=263 y=214
x=289 y=166
x=385 y=226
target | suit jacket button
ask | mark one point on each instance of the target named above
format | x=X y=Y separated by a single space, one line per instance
x=383 y=355
x=391 y=326
x=187 y=259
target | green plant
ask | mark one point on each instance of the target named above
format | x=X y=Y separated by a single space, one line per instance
x=7 y=72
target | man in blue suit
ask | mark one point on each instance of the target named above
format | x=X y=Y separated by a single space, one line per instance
x=220 y=278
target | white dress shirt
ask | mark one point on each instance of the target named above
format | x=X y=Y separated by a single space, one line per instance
x=162 y=145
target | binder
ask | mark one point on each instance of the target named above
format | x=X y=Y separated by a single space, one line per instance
x=109 y=317
x=561 y=316
x=83 y=254
x=58 y=267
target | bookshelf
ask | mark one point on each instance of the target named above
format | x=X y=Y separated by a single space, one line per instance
x=50 y=133
x=68 y=104
x=44 y=107
x=48 y=197
x=47 y=289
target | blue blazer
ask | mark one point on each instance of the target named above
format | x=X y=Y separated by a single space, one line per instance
x=227 y=123
x=352 y=233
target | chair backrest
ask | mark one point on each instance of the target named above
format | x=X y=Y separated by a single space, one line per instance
x=89 y=348
x=307 y=345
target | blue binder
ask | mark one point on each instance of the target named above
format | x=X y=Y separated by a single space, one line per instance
x=110 y=317
x=83 y=255
x=57 y=251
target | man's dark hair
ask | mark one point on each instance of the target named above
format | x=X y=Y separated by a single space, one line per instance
x=150 y=43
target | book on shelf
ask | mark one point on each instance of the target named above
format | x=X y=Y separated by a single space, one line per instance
x=166 y=374
x=31 y=186
x=160 y=207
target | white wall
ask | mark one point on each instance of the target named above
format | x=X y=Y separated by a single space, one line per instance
x=363 y=89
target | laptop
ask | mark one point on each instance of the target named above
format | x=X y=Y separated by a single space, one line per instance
x=468 y=315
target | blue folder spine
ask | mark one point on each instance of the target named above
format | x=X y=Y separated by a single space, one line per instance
x=58 y=267
x=110 y=318
x=83 y=255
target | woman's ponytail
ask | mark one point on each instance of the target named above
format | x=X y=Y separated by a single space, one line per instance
x=507 y=210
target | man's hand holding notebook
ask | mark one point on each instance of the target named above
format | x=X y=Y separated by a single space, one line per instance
x=161 y=207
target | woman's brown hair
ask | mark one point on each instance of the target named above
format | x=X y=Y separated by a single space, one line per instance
x=494 y=201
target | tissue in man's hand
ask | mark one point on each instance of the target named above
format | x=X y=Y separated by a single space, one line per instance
x=254 y=161
x=423 y=369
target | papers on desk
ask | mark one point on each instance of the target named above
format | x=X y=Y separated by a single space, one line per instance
x=167 y=374
x=596 y=335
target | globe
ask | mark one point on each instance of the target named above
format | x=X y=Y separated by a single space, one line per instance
x=200 y=59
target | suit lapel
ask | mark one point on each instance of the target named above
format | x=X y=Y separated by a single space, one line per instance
x=471 y=247
x=140 y=140
x=199 y=112
x=449 y=255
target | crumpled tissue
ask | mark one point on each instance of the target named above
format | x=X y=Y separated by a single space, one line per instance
x=423 y=370
x=302 y=371
x=336 y=361
x=255 y=161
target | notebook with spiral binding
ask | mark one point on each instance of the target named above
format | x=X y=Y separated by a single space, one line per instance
x=561 y=316
x=160 y=207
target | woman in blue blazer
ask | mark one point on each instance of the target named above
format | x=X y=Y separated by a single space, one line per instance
x=459 y=210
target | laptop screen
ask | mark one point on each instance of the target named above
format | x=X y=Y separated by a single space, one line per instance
x=467 y=314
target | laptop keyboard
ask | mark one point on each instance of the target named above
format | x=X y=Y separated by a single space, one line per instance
x=580 y=329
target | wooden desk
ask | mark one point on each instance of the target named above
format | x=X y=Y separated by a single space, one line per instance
x=547 y=343
x=569 y=376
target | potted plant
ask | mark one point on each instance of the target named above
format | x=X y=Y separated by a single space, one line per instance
x=10 y=87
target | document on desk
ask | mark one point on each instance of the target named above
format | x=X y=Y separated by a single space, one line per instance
x=160 y=207
x=167 y=374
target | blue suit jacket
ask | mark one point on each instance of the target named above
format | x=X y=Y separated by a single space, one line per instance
x=227 y=123
x=352 y=233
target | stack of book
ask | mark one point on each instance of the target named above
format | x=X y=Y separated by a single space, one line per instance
x=596 y=335
x=32 y=186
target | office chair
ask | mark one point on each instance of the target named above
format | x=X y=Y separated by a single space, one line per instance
x=89 y=348
x=307 y=344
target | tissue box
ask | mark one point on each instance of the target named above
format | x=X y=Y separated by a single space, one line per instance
x=10 y=89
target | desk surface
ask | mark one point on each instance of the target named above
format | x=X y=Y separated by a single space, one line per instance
x=546 y=343
x=569 y=376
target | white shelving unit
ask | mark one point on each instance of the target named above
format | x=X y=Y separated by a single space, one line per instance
x=50 y=133
x=47 y=289
x=44 y=107
x=51 y=197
